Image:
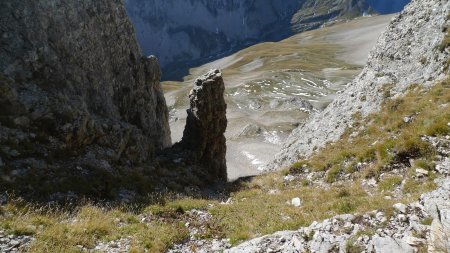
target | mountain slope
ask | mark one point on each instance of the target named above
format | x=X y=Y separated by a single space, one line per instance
x=421 y=27
x=183 y=34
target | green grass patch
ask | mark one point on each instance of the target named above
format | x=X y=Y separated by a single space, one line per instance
x=390 y=183
x=387 y=138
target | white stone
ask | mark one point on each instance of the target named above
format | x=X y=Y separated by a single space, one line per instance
x=400 y=207
x=372 y=182
x=296 y=202
x=414 y=241
x=421 y=172
x=402 y=218
x=289 y=178
x=439 y=237
x=389 y=245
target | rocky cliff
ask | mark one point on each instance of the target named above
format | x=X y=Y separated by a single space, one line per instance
x=206 y=124
x=392 y=67
x=314 y=13
x=77 y=98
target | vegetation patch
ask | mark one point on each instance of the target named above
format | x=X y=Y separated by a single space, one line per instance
x=58 y=230
x=392 y=136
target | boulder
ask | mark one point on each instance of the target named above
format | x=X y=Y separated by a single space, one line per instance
x=400 y=207
x=390 y=245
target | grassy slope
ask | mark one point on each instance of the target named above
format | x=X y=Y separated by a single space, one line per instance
x=259 y=205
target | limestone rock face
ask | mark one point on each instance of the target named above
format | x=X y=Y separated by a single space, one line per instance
x=437 y=204
x=75 y=93
x=206 y=123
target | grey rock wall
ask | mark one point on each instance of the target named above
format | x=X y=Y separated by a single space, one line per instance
x=75 y=93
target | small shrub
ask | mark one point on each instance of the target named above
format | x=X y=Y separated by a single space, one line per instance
x=305 y=183
x=344 y=206
x=427 y=221
x=423 y=61
x=424 y=164
x=333 y=173
x=389 y=183
x=343 y=193
x=297 y=167
x=353 y=247
x=411 y=146
x=439 y=128
x=365 y=232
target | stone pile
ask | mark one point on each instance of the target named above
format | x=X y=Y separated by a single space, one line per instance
x=14 y=244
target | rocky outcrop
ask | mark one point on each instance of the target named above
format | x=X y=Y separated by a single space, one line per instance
x=420 y=226
x=206 y=123
x=409 y=52
x=315 y=13
x=14 y=243
x=77 y=100
x=437 y=204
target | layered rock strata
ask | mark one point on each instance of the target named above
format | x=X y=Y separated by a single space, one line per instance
x=167 y=28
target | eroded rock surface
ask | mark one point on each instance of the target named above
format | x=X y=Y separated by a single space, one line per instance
x=206 y=123
x=77 y=100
